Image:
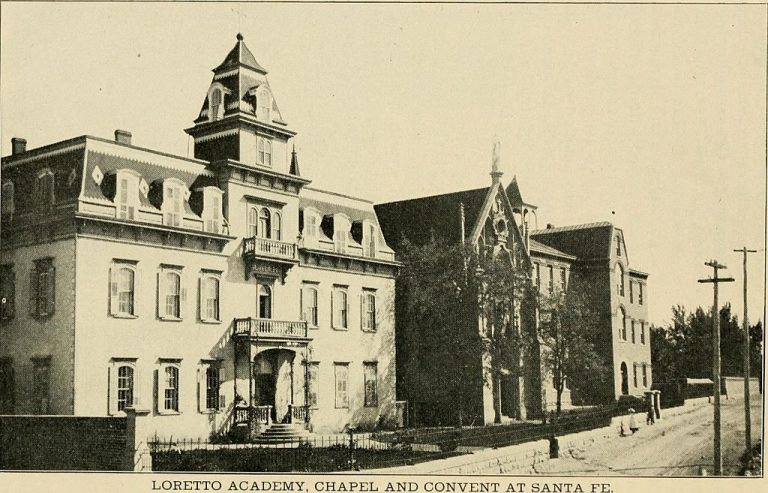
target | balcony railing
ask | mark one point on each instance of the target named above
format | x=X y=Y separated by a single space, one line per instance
x=264 y=247
x=265 y=327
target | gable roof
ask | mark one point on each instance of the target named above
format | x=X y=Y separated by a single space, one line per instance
x=586 y=241
x=437 y=217
x=542 y=249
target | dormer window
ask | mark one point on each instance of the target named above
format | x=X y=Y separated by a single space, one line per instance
x=370 y=243
x=215 y=104
x=264 y=156
x=264 y=103
x=127 y=194
x=7 y=205
x=44 y=189
x=173 y=205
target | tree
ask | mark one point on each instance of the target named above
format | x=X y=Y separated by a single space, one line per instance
x=462 y=309
x=568 y=334
x=501 y=284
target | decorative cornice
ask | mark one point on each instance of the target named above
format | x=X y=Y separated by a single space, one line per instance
x=224 y=75
x=141 y=155
x=217 y=135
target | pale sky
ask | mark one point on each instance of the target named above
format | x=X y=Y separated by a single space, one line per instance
x=652 y=117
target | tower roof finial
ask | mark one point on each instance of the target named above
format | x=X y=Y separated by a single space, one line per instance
x=495 y=173
x=239 y=37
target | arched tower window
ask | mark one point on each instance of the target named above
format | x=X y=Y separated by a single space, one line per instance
x=215 y=105
x=623 y=322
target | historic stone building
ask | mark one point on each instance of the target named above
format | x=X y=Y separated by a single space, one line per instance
x=589 y=257
x=214 y=293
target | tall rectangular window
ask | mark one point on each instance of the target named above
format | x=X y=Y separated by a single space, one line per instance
x=44 y=190
x=309 y=304
x=538 y=277
x=645 y=375
x=170 y=388
x=340 y=308
x=210 y=297
x=41 y=385
x=173 y=205
x=341 y=376
x=368 y=310
x=370 y=379
x=640 y=293
x=42 y=292
x=126 y=198
x=551 y=285
x=212 y=387
x=633 y=331
x=642 y=332
x=313 y=376
x=213 y=223
x=634 y=368
x=7 y=292
x=631 y=291
x=172 y=293
x=563 y=280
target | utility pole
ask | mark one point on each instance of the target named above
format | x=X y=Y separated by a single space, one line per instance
x=745 y=350
x=716 y=359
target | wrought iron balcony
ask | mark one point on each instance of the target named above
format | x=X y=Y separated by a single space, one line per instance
x=269 y=249
x=268 y=328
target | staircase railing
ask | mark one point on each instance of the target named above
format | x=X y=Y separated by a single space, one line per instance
x=298 y=414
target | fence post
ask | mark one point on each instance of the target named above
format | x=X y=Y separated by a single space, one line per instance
x=137 y=456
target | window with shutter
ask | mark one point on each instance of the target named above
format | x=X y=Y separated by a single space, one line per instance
x=7 y=205
x=340 y=308
x=276 y=226
x=172 y=293
x=44 y=189
x=125 y=374
x=42 y=288
x=210 y=285
x=171 y=388
x=368 y=310
x=341 y=374
x=370 y=378
x=253 y=221
x=313 y=375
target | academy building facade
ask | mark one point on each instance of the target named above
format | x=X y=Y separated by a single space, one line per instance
x=211 y=294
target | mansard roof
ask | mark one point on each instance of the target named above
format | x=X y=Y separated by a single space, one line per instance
x=438 y=216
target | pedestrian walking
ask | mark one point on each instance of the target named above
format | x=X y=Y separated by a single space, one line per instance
x=651 y=419
x=632 y=421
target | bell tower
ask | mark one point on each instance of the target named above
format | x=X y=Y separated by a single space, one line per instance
x=239 y=119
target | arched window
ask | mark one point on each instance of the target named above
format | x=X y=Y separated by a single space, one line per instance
x=124 y=387
x=172 y=284
x=265 y=220
x=265 y=301
x=277 y=224
x=619 y=271
x=253 y=221
x=340 y=308
x=7 y=205
x=44 y=189
x=215 y=106
x=171 y=389
x=368 y=310
x=623 y=321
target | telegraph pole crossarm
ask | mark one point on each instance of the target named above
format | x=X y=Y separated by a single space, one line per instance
x=745 y=350
x=715 y=280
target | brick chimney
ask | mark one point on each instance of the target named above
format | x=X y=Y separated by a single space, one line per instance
x=550 y=226
x=123 y=137
x=18 y=145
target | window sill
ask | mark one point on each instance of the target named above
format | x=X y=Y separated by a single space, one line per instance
x=370 y=331
x=313 y=327
x=169 y=413
x=207 y=321
x=171 y=319
x=124 y=315
x=211 y=411
x=341 y=329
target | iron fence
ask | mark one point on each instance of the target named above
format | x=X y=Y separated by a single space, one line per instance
x=362 y=450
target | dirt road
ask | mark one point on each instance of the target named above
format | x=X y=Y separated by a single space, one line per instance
x=677 y=446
